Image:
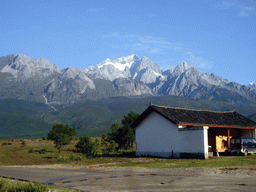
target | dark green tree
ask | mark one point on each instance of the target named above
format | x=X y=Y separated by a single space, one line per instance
x=87 y=146
x=130 y=118
x=61 y=135
x=124 y=136
x=128 y=130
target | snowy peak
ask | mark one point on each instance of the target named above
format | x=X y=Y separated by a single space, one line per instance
x=126 y=67
x=181 y=68
x=120 y=63
x=253 y=85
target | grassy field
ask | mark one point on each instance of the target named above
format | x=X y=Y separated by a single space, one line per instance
x=10 y=185
x=42 y=152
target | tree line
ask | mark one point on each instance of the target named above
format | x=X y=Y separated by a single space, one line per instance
x=120 y=137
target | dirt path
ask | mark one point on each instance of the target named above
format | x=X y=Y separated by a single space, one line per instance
x=104 y=178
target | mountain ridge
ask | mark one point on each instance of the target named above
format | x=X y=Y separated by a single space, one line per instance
x=42 y=81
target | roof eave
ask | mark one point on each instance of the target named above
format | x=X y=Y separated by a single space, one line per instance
x=144 y=115
x=220 y=126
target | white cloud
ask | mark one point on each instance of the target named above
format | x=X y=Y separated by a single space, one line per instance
x=146 y=45
x=245 y=10
x=226 y=4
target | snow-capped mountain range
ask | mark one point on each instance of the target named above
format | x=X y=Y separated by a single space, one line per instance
x=253 y=85
x=40 y=80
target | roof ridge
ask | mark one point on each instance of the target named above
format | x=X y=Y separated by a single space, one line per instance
x=166 y=107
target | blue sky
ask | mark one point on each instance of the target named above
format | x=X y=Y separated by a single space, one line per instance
x=216 y=36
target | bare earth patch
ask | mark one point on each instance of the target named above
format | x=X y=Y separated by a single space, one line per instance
x=249 y=171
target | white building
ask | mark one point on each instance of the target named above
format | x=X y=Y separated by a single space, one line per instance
x=183 y=133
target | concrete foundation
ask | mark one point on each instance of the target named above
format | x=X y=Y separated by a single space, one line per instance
x=176 y=155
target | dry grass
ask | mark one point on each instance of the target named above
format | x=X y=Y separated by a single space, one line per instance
x=17 y=154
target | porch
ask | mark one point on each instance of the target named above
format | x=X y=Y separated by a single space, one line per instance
x=219 y=138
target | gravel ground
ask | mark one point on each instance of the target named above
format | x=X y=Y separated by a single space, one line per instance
x=250 y=170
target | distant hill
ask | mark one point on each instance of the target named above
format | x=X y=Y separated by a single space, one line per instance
x=20 y=118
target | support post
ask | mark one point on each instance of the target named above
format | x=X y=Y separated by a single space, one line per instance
x=205 y=132
x=228 y=138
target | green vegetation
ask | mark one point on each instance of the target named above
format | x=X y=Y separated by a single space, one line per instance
x=23 y=119
x=43 y=150
x=31 y=150
x=73 y=157
x=17 y=155
x=123 y=136
x=115 y=148
x=10 y=185
x=61 y=135
x=5 y=143
x=86 y=146
x=14 y=185
x=23 y=143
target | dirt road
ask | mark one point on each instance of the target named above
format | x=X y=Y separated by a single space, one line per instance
x=137 y=179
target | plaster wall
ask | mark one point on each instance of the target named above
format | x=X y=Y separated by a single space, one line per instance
x=157 y=136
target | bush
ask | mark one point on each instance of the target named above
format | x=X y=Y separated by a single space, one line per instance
x=62 y=158
x=77 y=157
x=31 y=150
x=110 y=146
x=23 y=143
x=43 y=150
x=5 y=143
x=87 y=146
x=7 y=185
x=43 y=138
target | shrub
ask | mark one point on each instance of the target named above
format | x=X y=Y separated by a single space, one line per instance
x=31 y=150
x=23 y=143
x=9 y=143
x=110 y=146
x=7 y=185
x=43 y=138
x=87 y=146
x=4 y=143
x=43 y=150
x=62 y=158
x=77 y=157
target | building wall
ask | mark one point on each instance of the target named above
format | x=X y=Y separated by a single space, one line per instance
x=156 y=136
